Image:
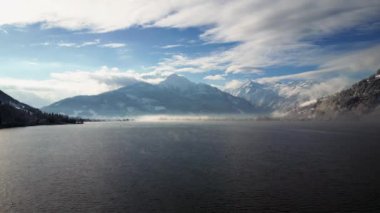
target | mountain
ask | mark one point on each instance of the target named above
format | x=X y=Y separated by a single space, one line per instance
x=259 y=95
x=280 y=96
x=8 y=100
x=14 y=113
x=177 y=82
x=361 y=98
x=175 y=95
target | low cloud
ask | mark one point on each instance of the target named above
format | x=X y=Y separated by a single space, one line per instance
x=214 y=77
x=327 y=87
x=334 y=75
x=233 y=84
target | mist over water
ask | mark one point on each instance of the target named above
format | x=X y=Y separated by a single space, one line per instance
x=193 y=166
x=200 y=117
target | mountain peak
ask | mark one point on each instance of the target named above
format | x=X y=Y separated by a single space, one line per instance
x=175 y=77
x=254 y=84
x=248 y=86
x=177 y=81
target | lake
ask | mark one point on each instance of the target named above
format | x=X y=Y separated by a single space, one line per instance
x=193 y=166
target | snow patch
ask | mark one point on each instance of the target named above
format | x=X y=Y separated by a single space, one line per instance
x=308 y=103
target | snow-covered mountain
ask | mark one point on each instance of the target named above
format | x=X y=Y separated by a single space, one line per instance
x=279 y=96
x=175 y=95
x=260 y=95
x=178 y=82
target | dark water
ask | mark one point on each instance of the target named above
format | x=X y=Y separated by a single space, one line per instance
x=191 y=167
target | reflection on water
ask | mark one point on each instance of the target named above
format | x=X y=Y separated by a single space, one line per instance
x=220 y=166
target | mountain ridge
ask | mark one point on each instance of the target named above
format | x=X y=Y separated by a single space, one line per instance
x=175 y=95
x=279 y=96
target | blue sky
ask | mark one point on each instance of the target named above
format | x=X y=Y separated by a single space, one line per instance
x=53 y=50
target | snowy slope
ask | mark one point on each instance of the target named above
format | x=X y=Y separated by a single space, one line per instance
x=175 y=95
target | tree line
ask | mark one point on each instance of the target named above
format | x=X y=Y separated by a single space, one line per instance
x=11 y=116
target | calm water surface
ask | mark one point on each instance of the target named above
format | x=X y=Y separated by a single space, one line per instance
x=191 y=167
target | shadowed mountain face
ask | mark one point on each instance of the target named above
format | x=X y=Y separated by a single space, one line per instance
x=361 y=98
x=6 y=99
x=14 y=113
x=175 y=95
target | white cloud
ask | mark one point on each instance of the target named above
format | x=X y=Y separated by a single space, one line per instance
x=267 y=33
x=271 y=33
x=65 y=44
x=276 y=32
x=71 y=83
x=113 y=45
x=233 y=84
x=181 y=63
x=95 y=42
x=214 y=77
x=96 y=15
x=334 y=75
x=72 y=44
x=170 y=46
x=366 y=60
x=89 y=43
x=327 y=87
